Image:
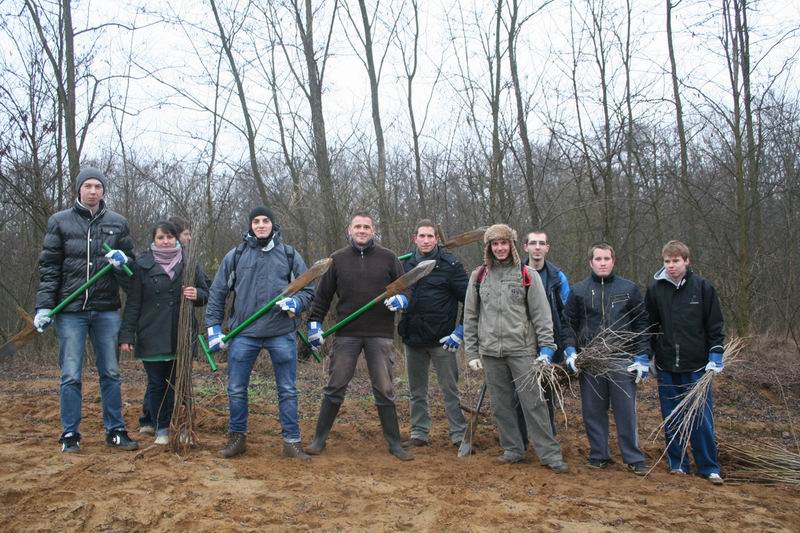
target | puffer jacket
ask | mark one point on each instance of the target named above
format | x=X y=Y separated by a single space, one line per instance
x=598 y=303
x=687 y=319
x=496 y=321
x=73 y=252
x=557 y=290
x=261 y=274
x=152 y=309
x=433 y=307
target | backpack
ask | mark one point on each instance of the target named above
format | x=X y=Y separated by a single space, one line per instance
x=237 y=254
x=526 y=282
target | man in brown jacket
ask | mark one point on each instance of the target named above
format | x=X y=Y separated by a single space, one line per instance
x=506 y=321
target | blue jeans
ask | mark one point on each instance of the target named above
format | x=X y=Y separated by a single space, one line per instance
x=242 y=355
x=160 y=395
x=672 y=387
x=103 y=330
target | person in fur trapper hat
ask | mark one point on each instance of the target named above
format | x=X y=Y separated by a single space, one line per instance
x=506 y=321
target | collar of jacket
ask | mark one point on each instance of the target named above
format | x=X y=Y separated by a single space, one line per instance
x=419 y=256
x=84 y=212
x=662 y=275
x=607 y=279
x=369 y=246
x=252 y=240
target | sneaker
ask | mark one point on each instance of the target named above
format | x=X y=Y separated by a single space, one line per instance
x=119 y=439
x=559 y=467
x=715 y=479
x=147 y=429
x=678 y=471
x=70 y=442
x=599 y=463
x=162 y=436
x=640 y=469
x=508 y=459
x=414 y=442
x=237 y=444
x=295 y=450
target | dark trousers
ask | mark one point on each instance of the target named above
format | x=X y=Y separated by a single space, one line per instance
x=379 y=353
x=160 y=395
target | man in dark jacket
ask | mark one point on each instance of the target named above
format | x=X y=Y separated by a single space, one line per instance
x=430 y=334
x=73 y=252
x=604 y=300
x=257 y=271
x=685 y=310
x=359 y=272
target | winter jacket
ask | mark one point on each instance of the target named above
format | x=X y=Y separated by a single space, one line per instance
x=356 y=277
x=557 y=289
x=433 y=307
x=262 y=273
x=598 y=303
x=152 y=309
x=687 y=320
x=496 y=321
x=73 y=252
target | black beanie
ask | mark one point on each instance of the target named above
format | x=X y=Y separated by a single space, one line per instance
x=89 y=173
x=261 y=211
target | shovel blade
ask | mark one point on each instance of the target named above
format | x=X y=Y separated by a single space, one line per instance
x=465 y=450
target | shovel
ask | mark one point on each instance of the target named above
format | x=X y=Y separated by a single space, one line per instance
x=310 y=275
x=468 y=237
x=465 y=450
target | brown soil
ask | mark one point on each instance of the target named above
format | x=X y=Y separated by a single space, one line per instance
x=356 y=484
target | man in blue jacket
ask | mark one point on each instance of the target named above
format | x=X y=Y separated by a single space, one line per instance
x=432 y=332
x=256 y=271
x=685 y=310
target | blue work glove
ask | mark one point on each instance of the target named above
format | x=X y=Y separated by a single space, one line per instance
x=41 y=320
x=215 y=338
x=117 y=258
x=290 y=305
x=396 y=303
x=545 y=355
x=452 y=342
x=315 y=334
x=571 y=355
x=715 y=362
x=641 y=365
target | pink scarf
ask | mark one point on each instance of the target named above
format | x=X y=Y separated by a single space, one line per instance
x=168 y=258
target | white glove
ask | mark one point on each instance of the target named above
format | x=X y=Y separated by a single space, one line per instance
x=289 y=305
x=397 y=302
x=315 y=332
x=715 y=363
x=475 y=365
x=215 y=342
x=117 y=258
x=641 y=365
x=572 y=355
x=41 y=320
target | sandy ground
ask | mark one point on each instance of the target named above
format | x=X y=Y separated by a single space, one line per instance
x=356 y=484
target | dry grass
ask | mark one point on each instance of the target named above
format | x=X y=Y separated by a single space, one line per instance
x=761 y=462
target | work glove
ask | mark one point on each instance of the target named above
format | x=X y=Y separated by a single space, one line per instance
x=545 y=355
x=397 y=302
x=452 y=342
x=290 y=305
x=117 y=258
x=715 y=362
x=475 y=365
x=315 y=334
x=41 y=320
x=215 y=343
x=571 y=355
x=641 y=365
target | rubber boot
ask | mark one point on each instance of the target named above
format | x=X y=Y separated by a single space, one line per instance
x=391 y=432
x=327 y=414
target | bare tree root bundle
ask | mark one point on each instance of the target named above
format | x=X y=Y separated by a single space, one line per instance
x=760 y=462
x=543 y=377
x=689 y=412
x=181 y=428
x=609 y=352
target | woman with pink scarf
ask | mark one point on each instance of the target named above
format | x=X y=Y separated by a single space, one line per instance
x=150 y=322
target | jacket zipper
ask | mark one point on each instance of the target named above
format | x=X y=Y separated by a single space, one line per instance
x=88 y=264
x=603 y=302
x=677 y=355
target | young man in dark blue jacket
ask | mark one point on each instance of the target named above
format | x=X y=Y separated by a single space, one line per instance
x=604 y=300
x=432 y=333
x=685 y=312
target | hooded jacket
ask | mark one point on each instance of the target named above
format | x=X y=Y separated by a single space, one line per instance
x=262 y=273
x=687 y=318
x=72 y=252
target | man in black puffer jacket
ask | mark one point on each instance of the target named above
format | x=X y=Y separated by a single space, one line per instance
x=71 y=254
x=430 y=334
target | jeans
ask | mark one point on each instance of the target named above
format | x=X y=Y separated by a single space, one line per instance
x=160 y=395
x=242 y=355
x=102 y=327
x=672 y=387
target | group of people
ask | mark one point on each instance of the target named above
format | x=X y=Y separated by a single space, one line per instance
x=508 y=315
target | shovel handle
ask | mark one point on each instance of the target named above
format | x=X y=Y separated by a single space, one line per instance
x=206 y=350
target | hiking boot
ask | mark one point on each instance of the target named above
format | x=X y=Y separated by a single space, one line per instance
x=715 y=478
x=640 y=469
x=70 y=442
x=119 y=439
x=162 y=437
x=599 y=463
x=391 y=432
x=509 y=459
x=295 y=449
x=415 y=442
x=559 y=467
x=327 y=414
x=237 y=444
x=147 y=429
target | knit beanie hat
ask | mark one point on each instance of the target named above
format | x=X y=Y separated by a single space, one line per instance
x=89 y=173
x=499 y=231
x=261 y=211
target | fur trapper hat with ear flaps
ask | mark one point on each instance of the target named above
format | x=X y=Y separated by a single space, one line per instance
x=499 y=231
